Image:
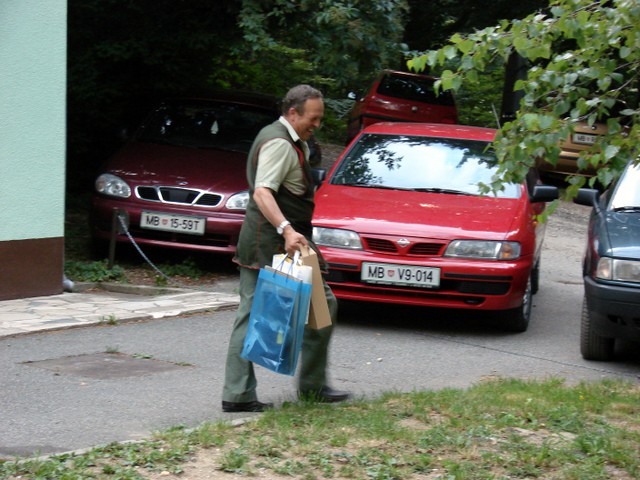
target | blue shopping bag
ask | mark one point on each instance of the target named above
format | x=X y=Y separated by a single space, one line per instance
x=276 y=324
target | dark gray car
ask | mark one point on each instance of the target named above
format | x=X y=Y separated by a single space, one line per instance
x=611 y=268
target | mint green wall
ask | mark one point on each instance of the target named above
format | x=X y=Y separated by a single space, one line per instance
x=32 y=118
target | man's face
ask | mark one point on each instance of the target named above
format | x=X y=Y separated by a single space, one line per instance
x=304 y=124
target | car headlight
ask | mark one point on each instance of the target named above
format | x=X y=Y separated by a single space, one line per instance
x=483 y=249
x=338 y=238
x=113 y=186
x=618 y=270
x=238 y=201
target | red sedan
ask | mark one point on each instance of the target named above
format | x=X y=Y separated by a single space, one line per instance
x=180 y=182
x=401 y=219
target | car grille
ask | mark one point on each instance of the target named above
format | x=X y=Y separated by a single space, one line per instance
x=177 y=195
x=387 y=246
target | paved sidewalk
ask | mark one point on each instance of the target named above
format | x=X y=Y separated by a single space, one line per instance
x=89 y=304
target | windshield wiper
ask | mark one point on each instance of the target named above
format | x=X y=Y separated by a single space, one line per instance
x=628 y=208
x=410 y=189
x=441 y=190
x=376 y=185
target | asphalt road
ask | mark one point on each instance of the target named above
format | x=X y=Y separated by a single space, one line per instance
x=75 y=389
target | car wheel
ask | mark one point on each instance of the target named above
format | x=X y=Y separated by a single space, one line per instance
x=535 y=278
x=517 y=319
x=592 y=345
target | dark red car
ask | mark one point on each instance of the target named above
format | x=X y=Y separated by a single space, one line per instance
x=180 y=182
x=401 y=219
x=401 y=97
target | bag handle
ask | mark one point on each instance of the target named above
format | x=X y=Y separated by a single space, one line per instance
x=295 y=260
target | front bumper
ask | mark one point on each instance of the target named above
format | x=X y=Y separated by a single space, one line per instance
x=614 y=309
x=464 y=284
x=221 y=231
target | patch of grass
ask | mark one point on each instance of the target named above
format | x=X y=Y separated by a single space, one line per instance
x=186 y=268
x=97 y=271
x=499 y=429
x=109 y=319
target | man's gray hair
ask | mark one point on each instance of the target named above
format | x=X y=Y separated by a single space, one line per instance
x=297 y=96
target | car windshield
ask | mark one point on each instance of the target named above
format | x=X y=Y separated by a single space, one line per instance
x=228 y=126
x=415 y=89
x=427 y=164
x=626 y=195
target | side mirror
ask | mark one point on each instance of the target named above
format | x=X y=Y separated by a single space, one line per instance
x=319 y=175
x=545 y=193
x=587 y=196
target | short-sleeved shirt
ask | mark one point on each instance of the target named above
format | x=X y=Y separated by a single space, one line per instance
x=278 y=164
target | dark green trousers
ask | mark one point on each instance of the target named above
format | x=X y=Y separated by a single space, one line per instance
x=240 y=380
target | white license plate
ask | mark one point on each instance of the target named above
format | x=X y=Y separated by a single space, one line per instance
x=173 y=223
x=392 y=274
x=584 y=138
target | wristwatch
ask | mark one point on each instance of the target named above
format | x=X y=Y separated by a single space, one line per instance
x=282 y=226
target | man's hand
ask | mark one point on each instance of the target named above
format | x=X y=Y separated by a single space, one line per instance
x=293 y=241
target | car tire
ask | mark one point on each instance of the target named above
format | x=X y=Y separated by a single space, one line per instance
x=517 y=319
x=592 y=345
x=535 y=278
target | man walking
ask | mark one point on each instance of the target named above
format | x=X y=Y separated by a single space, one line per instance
x=278 y=219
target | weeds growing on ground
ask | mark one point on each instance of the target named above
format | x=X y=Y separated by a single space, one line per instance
x=500 y=429
x=97 y=271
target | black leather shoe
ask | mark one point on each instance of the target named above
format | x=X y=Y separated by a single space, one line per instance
x=324 y=395
x=254 y=406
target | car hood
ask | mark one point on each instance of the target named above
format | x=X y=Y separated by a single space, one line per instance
x=623 y=235
x=432 y=215
x=141 y=163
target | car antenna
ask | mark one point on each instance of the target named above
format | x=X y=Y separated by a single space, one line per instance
x=495 y=114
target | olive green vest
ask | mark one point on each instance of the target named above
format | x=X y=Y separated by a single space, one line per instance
x=259 y=240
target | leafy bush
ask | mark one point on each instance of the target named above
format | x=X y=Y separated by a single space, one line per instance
x=97 y=271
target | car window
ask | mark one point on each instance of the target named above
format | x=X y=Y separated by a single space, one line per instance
x=420 y=163
x=414 y=89
x=627 y=191
x=206 y=125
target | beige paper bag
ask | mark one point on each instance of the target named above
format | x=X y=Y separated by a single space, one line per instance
x=319 y=316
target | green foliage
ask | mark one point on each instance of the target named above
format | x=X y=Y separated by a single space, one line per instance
x=97 y=271
x=187 y=268
x=584 y=58
x=479 y=102
x=346 y=41
x=432 y=23
x=501 y=429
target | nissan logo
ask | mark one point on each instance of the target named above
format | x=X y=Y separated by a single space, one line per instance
x=403 y=242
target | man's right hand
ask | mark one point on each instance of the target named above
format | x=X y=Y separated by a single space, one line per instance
x=293 y=241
